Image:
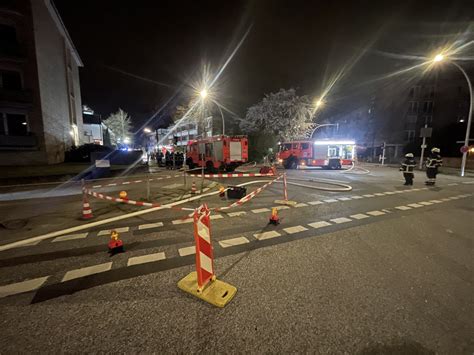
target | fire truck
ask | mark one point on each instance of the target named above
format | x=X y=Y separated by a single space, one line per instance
x=328 y=154
x=218 y=153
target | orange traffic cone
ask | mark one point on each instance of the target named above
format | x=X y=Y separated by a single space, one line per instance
x=86 y=208
x=274 y=219
x=115 y=244
x=193 y=188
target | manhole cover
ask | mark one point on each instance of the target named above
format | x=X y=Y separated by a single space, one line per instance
x=14 y=224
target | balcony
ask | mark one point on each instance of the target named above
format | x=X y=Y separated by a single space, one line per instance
x=18 y=142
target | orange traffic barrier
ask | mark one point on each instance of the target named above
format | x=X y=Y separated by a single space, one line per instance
x=274 y=219
x=115 y=244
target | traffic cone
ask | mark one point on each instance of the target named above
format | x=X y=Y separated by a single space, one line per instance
x=193 y=188
x=86 y=208
x=274 y=217
x=115 y=244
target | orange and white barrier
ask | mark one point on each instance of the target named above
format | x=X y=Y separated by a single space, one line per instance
x=193 y=188
x=204 y=253
x=86 y=208
x=285 y=188
x=235 y=175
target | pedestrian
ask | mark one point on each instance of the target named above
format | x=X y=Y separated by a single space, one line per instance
x=407 y=168
x=433 y=162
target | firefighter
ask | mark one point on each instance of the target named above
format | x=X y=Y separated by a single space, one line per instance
x=432 y=164
x=407 y=168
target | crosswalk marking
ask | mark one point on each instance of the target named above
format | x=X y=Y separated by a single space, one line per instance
x=426 y=203
x=379 y=194
x=266 y=235
x=118 y=230
x=261 y=210
x=359 y=216
x=238 y=213
x=344 y=198
x=330 y=200
x=146 y=258
x=302 y=204
x=316 y=202
x=233 y=242
x=452 y=184
x=415 y=205
x=281 y=207
x=468 y=182
x=390 y=193
x=86 y=271
x=187 y=251
x=415 y=189
x=445 y=199
x=436 y=201
x=357 y=197
x=216 y=216
x=375 y=213
x=70 y=237
x=150 y=225
x=340 y=220
x=295 y=229
x=21 y=287
x=368 y=195
x=403 y=208
x=320 y=224
x=183 y=221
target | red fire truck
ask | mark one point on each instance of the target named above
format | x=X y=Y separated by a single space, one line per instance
x=223 y=153
x=328 y=154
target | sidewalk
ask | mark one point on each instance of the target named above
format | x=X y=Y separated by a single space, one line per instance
x=443 y=170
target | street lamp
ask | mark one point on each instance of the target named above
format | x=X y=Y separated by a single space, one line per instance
x=319 y=103
x=438 y=58
x=147 y=130
x=204 y=95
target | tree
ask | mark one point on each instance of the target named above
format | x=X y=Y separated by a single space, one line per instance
x=120 y=124
x=283 y=114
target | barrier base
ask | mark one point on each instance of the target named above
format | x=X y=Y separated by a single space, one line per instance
x=217 y=293
x=286 y=202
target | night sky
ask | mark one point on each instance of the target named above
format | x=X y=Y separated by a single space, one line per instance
x=299 y=44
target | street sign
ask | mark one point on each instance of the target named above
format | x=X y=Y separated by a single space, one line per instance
x=464 y=149
x=425 y=132
x=424 y=146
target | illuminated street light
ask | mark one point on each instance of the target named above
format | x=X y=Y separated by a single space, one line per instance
x=147 y=130
x=126 y=140
x=319 y=103
x=203 y=93
x=438 y=58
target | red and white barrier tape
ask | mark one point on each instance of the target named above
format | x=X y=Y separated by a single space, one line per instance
x=132 y=202
x=234 y=175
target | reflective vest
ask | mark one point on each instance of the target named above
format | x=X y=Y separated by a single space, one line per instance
x=408 y=165
x=434 y=161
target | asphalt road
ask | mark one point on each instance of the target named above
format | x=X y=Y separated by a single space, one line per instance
x=383 y=268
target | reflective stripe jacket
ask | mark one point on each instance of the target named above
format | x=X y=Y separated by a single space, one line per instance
x=408 y=165
x=434 y=161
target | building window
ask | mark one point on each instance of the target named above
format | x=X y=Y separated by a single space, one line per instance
x=410 y=136
x=428 y=120
x=461 y=119
x=413 y=107
x=428 y=106
x=13 y=124
x=412 y=118
x=10 y=79
x=432 y=92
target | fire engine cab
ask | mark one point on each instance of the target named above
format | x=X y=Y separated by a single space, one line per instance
x=328 y=154
x=223 y=153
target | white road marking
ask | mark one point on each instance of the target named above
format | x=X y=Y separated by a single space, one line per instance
x=70 y=237
x=150 y=225
x=390 y=193
x=233 y=242
x=426 y=203
x=295 y=229
x=330 y=200
x=261 y=210
x=445 y=199
x=187 y=251
x=320 y=224
x=31 y=244
x=118 y=230
x=415 y=189
x=86 y=271
x=267 y=235
x=172 y=186
x=146 y=258
x=357 y=197
x=281 y=207
x=403 y=208
x=452 y=184
x=341 y=220
x=359 y=216
x=316 y=202
x=238 y=213
x=368 y=195
x=344 y=198
x=468 y=182
x=436 y=201
x=21 y=287
x=379 y=194
x=216 y=216
x=183 y=221
x=415 y=205
x=376 y=213
x=302 y=204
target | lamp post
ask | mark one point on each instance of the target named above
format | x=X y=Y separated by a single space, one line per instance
x=438 y=58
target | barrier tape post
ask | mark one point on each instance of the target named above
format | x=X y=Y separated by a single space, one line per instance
x=203 y=283
x=285 y=200
x=148 y=187
x=86 y=207
x=285 y=191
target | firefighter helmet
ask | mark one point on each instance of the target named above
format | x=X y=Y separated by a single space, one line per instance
x=409 y=155
x=435 y=150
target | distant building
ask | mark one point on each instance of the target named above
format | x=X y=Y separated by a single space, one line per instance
x=95 y=131
x=40 y=96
